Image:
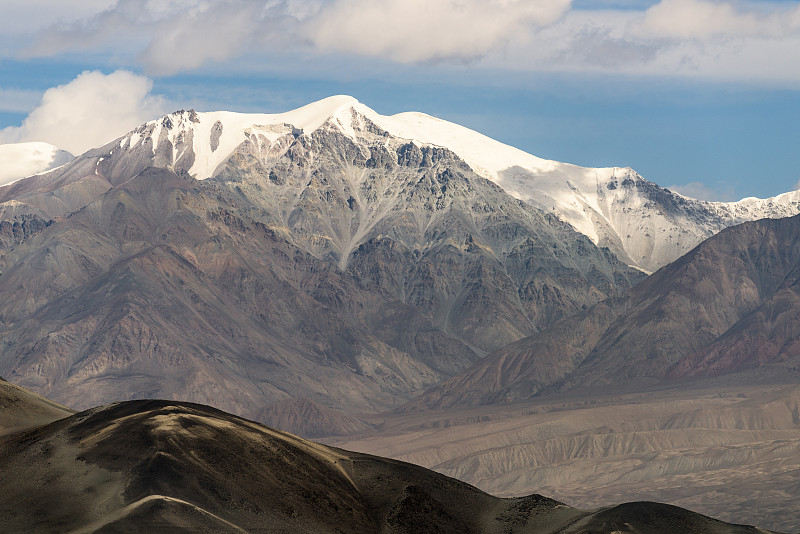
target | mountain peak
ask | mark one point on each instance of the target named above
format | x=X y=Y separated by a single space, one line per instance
x=643 y=224
x=209 y=138
x=315 y=114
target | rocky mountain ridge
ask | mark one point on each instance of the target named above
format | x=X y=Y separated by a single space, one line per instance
x=643 y=224
x=729 y=307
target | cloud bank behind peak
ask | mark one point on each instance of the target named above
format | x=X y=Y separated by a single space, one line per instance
x=89 y=111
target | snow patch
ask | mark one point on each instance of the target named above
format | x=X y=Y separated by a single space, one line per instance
x=20 y=160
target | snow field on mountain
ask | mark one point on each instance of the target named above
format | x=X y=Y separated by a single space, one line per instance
x=20 y=160
x=645 y=225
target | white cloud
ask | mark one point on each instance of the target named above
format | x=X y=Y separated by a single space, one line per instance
x=89 y=111
x=21 y=16
x=703 y=19
x=713 y=39
x=421 y=30
x=743 y=42
x=206 y=33
x=693 y=19
x=168 y=37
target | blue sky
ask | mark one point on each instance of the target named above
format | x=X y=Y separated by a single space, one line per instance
x=700 y=95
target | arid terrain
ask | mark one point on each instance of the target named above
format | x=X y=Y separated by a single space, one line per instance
x=730 y=452
x=163 y=466
x=310 y=270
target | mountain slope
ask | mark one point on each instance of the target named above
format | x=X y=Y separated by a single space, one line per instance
x=145 y=466
x=728 y=306
x=355 y=274
x=643 y=224
x=21 y=409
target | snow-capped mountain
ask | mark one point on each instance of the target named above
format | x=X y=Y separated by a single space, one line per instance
x=364 y=249
x=645 y=225
x=327 y=259
x=19 y=160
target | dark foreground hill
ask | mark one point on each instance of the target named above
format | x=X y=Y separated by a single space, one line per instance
x=21 y=409
x=727 y=311
x=162 y=466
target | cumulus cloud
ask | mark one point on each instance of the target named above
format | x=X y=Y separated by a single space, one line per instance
x=421 y=30
x=752 y=42
x=206 y=33
x=89 y=111
x=694 y=19
x=167 y=37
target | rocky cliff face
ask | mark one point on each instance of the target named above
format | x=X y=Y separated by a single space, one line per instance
x=729 y=306
x=348 y=267
x=403 y=218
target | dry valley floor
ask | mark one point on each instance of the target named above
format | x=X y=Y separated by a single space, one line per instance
x=732 y=453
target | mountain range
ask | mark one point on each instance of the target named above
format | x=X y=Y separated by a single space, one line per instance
x=728 y=307
x=353 y=271
x=645 y=225
x=328 y=253
x=312 y=268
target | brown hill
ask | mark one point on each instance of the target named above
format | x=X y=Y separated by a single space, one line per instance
x=21 y=409
x=160 y=466
x=729 y=306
